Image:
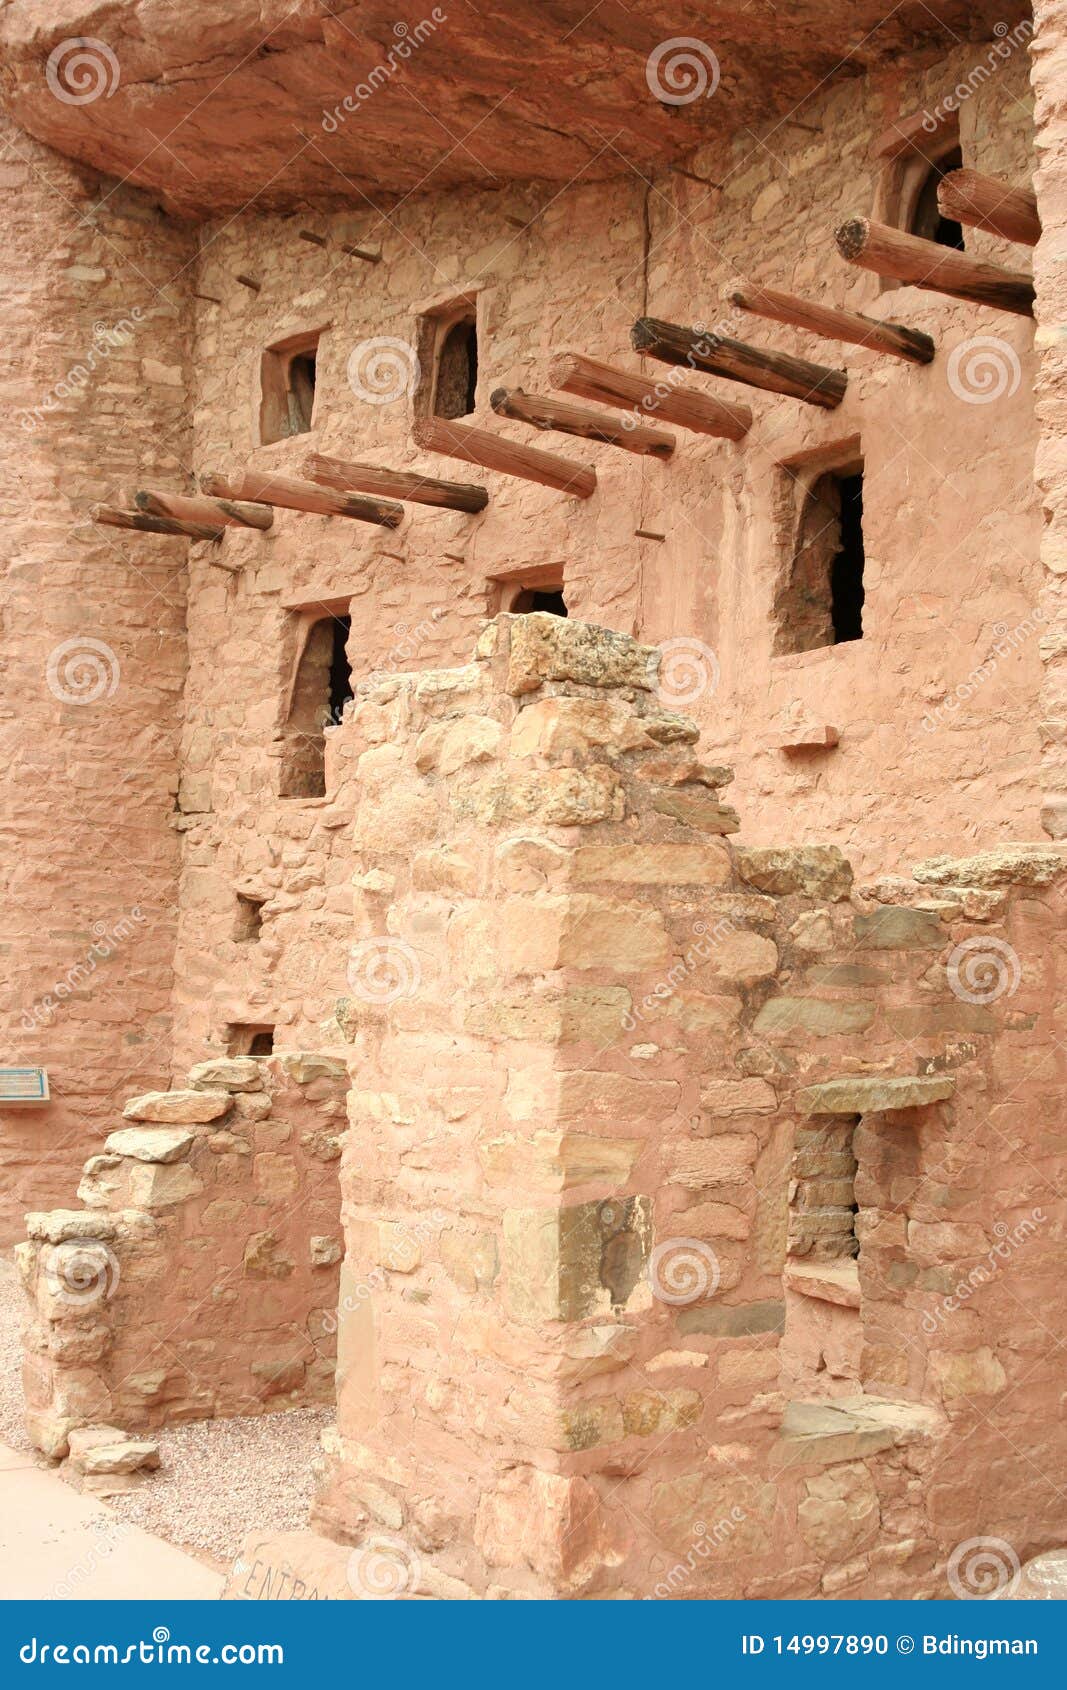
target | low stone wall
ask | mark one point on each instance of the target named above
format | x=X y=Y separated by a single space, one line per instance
x=200 y=1277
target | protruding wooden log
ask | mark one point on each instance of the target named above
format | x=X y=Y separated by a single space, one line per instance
x=293 y=495
x=921 y=132
x=985 y=202
x=181 y=507
x=835 y=324
x=369 y=254
x=110 y=517
x=716 y=354
x=556 y=416
x=394 y=484
x=684 y=406
x=249 y=282
x=492 y=451
x=939 y=269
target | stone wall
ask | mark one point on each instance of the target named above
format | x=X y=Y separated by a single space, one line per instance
x=585 y=1029
x=200 y=1277
x=951 y=516
x=96 y=345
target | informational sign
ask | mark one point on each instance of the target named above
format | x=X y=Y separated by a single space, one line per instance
x=23 y=1085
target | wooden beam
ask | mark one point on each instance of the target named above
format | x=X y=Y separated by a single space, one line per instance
x=717 y=355
x=492 y=451
x=249 y=282
x=985 y=202
x=110 y=517
x=293 y=495
x=939 y=269
x=394 y=484
x=683 y=406
x=921 y=132
x=556 y=416
x=181 y=507
x=369 y=254
x=835 y=324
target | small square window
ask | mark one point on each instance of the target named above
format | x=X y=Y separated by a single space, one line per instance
x=321 y=687
x=820 y=601
x=287 y=388
x=448 y=358
x=245 y=1038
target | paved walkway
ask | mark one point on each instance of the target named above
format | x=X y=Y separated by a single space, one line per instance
x=57 y=1544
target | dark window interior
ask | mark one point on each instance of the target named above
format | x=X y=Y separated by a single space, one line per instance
x=926 y=219
x=846 y=570
x=340 y=667
x=820 y=599
x=457 y=371
x=245 y=1039
x=535 y=598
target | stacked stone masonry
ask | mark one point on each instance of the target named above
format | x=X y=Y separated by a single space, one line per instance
x=200 y=1276
x=663 y=1247
x=586 y=1035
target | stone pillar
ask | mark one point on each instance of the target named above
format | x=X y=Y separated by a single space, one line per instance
x=551 y=929
x=95 y=339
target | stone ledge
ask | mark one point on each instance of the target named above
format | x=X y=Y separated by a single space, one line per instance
x=1006 y=865
x=828 y=1282
x=871 y=1095
x=819 y=1434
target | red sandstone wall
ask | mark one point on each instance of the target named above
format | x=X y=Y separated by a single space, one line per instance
x=95 y=343
x=952 y=521
x=596 y=1033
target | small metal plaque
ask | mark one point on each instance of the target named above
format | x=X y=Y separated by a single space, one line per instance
x=23 y=1085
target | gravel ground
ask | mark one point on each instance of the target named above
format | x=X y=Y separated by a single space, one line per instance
x=12 y=1314
x=219 y=1479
